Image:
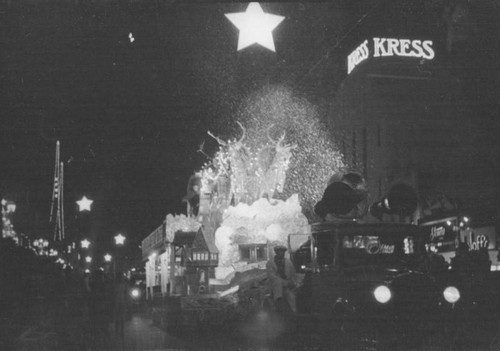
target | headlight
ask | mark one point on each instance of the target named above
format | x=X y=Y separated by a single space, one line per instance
x=382 y=294
x=135 y=293
x=451 y=294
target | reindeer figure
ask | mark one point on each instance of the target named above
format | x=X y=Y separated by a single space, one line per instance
x=250 y=180
x=235 y=159
x=273 y=161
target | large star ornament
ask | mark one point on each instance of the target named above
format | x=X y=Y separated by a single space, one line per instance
x=255 y=26
x=84 y=204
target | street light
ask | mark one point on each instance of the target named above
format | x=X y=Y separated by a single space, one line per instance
x=85 y=244
x=84 y=204
x=119 y=240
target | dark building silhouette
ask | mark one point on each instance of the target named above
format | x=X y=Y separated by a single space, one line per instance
x=425 y=121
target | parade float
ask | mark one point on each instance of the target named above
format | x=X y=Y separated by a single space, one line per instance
x=208 y=267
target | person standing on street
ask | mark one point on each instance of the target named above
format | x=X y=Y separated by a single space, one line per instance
x=281 y=275
x=97 y=309
x=120 y=306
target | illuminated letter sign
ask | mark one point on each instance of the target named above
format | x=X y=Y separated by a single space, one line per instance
x=360 y=54
x=387 y=47
x=438 y=233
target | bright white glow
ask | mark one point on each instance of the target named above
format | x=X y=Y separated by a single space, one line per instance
x=255 y=26
x=87 y=270
x=357 y=56
x=386 y=203
x=448 y=222
x=84 y=204
x=135 y=293
x=382 y=294
x=131 y=37
x=260 y=222
x=451 y=294
x=466 y=219
x=119 y=239
x=88 y=259
x=107 y=257
x=11 y=207
x=85 y=244
x=388 y=47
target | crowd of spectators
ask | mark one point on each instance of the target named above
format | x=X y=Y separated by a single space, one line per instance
x=51 y=306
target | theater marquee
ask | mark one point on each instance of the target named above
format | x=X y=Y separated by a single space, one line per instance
x=387 y=47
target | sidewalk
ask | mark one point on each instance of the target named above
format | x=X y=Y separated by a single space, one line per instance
x=141 y=334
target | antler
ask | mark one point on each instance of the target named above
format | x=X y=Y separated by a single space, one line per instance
x=280 y=139
x=200 y=150
x=219 y=140
x=244 y=133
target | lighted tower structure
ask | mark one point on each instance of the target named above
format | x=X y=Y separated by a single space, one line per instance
x=8 y=209
x=57 y=205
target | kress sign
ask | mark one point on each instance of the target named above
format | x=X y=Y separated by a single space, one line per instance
x=386 y=47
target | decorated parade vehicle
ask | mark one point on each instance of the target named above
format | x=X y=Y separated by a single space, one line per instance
x=367 y=280
x=357 y=273
x=206 y=269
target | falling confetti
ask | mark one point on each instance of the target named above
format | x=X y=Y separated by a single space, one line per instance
x=314 y=160
x=274 y=111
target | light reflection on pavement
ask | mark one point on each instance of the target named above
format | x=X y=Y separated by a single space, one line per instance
x=141 y=335
x=259 y=333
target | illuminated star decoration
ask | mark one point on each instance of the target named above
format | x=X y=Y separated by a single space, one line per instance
x=107 y=258
x=119 y=239
x=255 y=26
x=84 y=204
x=85 y=244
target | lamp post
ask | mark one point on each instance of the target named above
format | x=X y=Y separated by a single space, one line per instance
x=119 y=242
x=107 y=260
x=85 y=244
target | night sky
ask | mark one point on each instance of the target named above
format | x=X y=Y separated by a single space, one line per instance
x=130 y=116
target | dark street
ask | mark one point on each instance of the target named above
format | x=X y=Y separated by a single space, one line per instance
x=262 y=334
x=250 y=176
